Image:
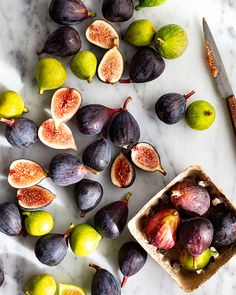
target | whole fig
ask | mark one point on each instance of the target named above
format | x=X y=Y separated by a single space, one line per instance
x=117 y=10
x=10 y=219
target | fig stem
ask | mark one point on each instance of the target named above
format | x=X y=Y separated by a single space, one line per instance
x=160 y=41
x=208 y=113
x=26 y=213
x=195 y=262
x=90 y=80
x=127 y=197
x=7 y=121
x=69 y=231
x=189 y=94
x=40 y=51
x=160 y=169
x=82 y=214
x=25 y=110
x=128 y=99
x=125 y=81
x=138 y=7
x=94 y=266
x=124 y=281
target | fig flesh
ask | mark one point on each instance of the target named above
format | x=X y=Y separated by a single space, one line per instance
x=161 y=228
x=102 y=34
x=117 y=10
x=65 y=41
x=196 y=235
x=25 y=173
x=145 y=156
x=122 y=172
x=60 y=137
x=131 y=259
x=111 y=66
x=65 y=103
x=34 y=198
x=68 y=12
x=10 y=219
x=111 y=219
x=190 y=198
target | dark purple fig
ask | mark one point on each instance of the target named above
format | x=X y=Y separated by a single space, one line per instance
x=65 y=41
x=196 y=235
x=171 y=107
x=68 y=12
x=2 y=275
x=131 y=258
x=97 y=155
x=10 y=219
x=111 y=219
x=88 y=194
x=117 y=10
x=146 y=65
x=104 y=283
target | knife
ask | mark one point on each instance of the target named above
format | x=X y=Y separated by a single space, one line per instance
x=219 y=73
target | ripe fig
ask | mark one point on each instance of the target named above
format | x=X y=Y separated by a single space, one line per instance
x=104 y=283
x=88 y=194
x=122 y=172
x=25 y=173
x=97 y=155
x=161 y=228
x=145 y=156
x=10 y=219
x=102 y=34
x=196 y=235
x=111 y=219
x=60 y=137
x=65 y=41
x=111 y=66
x=34 y=198
x=146 y=65
x=171 y=107
x=117 y=10
x=131 y=259
x=65 y=103
x=38 y=223
x=68 y=12
x=190 y=198
x=42 y=284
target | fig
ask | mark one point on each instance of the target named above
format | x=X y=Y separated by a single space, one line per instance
x=2 y=275
x=122 y=172
x=34 y=198
x=65 y=41
x=104 y=283
x=42 y=284
x=146 y=65
x=60 y=137
x=149 y=3
x=65 y=103
x=162 y=227
x=21 y=132
x=10 y=219
x=102 y=34
x=68 y=12
x=88 y=194
x=66 y=169
x=190 y=198
x=171 y=107
x=117 y=10
x=38 y=223
x=145 y=156
x=196 y=235
x=111 y=219
x=171 y=41
x=111 y=66
x=68 y=289
x=25 y=173
x=131 y=259
x=97 y=155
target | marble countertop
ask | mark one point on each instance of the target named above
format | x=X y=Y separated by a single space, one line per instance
x=24 y=26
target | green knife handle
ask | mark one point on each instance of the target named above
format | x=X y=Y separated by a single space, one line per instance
x=231 y=103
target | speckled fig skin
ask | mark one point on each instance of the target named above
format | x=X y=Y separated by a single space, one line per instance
x=117 y=10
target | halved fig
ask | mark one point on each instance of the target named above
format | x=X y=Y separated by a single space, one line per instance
x=111 y=66
x=25 y=173
x=102 y=34
x=122 y=172
x=60 y=137
x=34 y=198
x=65 y=103
x=145 y=156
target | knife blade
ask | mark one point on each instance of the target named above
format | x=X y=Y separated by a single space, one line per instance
x=219 y=73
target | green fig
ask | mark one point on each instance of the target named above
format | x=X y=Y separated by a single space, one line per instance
x=140 y=32
x=38 y=223
x=42 y=284
x=84 y=65
x=148 y=3
x=50 y=74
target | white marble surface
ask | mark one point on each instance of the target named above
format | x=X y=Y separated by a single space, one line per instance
x=24 y=25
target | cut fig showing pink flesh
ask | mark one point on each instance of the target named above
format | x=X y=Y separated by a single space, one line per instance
x=60 y=137
x=25 y=173
x=34 y=198
x=145 y=156
x=65 y=103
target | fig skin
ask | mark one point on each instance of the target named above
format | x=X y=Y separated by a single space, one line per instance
x=117 y=10
x=10 y=219
x=190 y=198
x=196 y=235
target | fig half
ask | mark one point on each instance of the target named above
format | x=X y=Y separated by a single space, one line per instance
x=145 y=156
x=25 y=173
